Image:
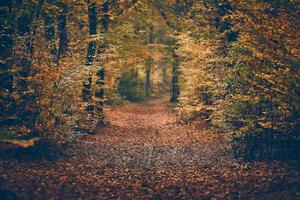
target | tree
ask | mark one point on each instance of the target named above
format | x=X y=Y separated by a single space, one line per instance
x=62 y=30
x=19 y=107
x=49 y=19
x=263 y=98
x=99 y=94
x=148 y=66
x=175 y=78
x=91 y=53
x=8 y=103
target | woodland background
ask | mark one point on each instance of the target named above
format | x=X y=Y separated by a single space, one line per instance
x=234 y=64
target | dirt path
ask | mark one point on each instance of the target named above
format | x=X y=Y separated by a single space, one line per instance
x=145 y=154
x=146 y=135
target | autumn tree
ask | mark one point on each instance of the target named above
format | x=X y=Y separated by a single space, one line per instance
x=148 y=65
x=18 y=94
x=91 y=53
x=6 y=78
x=263 y=83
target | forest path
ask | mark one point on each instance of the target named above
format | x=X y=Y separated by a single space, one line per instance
x=145 y=154
x=147 y=135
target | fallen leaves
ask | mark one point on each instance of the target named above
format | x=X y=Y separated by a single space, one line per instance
x=144 y=154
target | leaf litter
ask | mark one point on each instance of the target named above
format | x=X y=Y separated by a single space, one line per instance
x=145 y=154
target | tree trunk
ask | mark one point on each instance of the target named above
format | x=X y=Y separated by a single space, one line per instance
x=92 y=13
x=99 y=94
x=27 y=109
x=91 y=52
x=148 y=65
x=175 y=79
x=50 y=34
x=63 y=35
x=148 y=77
x=7 y=103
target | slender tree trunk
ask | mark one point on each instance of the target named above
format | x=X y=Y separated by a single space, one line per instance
x=92 y=45
x=92 y=14
x=148 y=65
x=91 y=52
x=50 y=34
x=148 y=77
x=49 y=20
x=63 y=35
x=38 y=10
x=99 y=94
x=175 y=79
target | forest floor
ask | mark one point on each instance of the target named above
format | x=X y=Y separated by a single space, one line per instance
x=145 y=154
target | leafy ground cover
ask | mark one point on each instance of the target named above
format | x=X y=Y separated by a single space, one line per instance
x=145 y=154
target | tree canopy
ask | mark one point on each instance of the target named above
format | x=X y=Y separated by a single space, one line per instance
x=232 y=63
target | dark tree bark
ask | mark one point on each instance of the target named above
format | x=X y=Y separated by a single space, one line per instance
x=92 y=13
x=86 y=90
x=148 y=77
x=50 y=34
x=38 y=10
x=148 y=66
x=175 y=79
x=99 y=94
x=7 y=103
x=63 y=35
x=28 y=109
x=91 y=52
x=6 y=41
x=49 y=19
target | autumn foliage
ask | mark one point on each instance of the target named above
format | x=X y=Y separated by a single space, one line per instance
x=232 y=63
x=240 y=72
x=149 y=99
